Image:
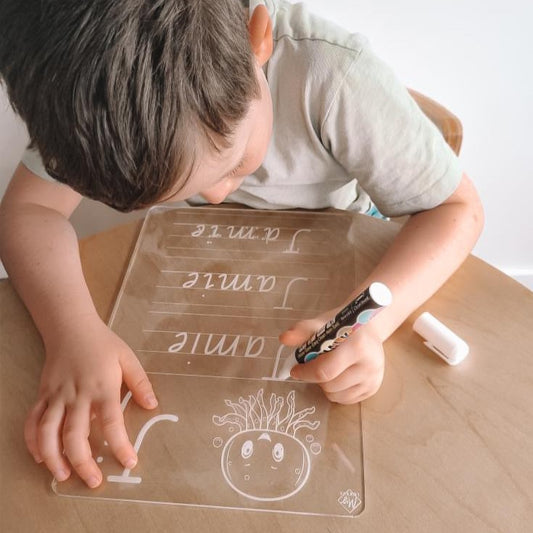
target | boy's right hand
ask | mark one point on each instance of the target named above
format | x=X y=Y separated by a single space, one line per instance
x=81 y=380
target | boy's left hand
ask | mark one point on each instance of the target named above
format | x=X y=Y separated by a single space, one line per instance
x=350 y=373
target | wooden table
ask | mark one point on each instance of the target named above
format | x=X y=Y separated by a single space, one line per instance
x=446 y=448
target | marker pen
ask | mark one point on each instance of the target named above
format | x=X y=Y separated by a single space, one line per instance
x=357 y=313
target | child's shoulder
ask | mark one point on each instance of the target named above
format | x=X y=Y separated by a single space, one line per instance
x=311 y=49
x=313 y=56
x=296 y=23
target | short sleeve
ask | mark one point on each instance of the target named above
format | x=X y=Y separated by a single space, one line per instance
x=377 y=132
x=32 y=160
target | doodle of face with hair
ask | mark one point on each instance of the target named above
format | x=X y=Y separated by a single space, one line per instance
x=265 y=460
x=265 y=464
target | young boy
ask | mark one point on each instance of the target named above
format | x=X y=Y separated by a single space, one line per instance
x=135 y=102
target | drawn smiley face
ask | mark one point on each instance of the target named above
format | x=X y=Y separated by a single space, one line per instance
x=265 y=465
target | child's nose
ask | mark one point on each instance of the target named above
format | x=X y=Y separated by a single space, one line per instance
x=217 y=194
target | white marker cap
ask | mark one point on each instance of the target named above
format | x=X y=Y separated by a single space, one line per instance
x=440 y=339
x=380 y=293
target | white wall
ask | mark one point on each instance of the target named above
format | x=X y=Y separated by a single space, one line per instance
x=473 y=56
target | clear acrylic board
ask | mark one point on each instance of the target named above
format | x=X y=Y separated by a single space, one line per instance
x=207 y=292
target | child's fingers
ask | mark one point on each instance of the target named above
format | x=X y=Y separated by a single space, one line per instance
x=300 y=332
x=138 y=383
x=75 y=441
x=326 y=367
x=352 y=376
x=50 y=443
x=354 y=394
x=112 y=423
x=31 y=428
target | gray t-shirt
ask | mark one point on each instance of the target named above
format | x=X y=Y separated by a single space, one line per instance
x=344 y=128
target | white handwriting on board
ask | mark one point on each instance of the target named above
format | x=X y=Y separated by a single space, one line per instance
x=216 y=231
x=229 y=282
x=292 y=249
x=217 y=344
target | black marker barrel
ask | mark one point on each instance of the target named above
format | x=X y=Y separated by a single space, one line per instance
x=357 y=313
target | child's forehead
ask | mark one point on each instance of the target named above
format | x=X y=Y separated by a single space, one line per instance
x=210 y=164
x=225 y=152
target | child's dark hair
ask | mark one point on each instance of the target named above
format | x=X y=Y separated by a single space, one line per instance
x=116 y=94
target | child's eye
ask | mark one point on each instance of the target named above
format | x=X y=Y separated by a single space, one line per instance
x=236 y=169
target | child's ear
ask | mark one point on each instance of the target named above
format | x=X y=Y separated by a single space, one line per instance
x=260 y=31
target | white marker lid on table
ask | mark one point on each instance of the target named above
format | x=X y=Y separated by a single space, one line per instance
x=440 y=339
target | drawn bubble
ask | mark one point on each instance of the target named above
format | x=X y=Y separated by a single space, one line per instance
x=231 y=429
x=99 y=459
x=315 y=448
x=309 y=438
x=246 y=477
x=217 y=442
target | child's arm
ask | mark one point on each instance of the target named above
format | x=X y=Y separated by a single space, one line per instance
x=428 y=249
x=85 y=362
